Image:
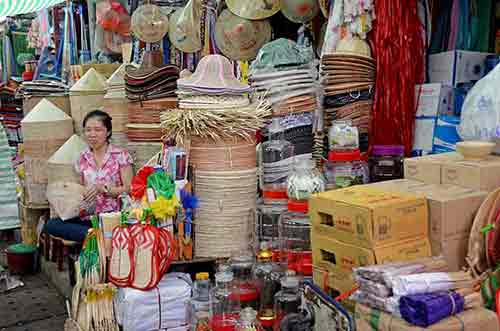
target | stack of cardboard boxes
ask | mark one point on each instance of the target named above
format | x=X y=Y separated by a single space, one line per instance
x=364 y=225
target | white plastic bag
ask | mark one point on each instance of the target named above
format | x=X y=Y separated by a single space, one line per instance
x=480 y=119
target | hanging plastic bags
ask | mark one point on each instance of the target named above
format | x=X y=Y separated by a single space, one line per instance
x=480 y=118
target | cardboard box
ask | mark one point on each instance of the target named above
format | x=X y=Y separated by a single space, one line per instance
x=455 y=67
x=483 y=175
x=428 y=169
x=452 y=210
x=340 y=258
x=446 y=134
x=434 y=100
x=423 y=140
x=368 y=217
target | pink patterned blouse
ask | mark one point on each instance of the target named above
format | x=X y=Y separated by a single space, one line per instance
x=115 y=159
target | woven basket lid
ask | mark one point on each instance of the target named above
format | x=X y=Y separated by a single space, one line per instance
x=69 y=152
x=92 y=81
x=45 y=111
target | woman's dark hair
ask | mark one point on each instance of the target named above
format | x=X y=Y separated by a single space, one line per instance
x=102 y=116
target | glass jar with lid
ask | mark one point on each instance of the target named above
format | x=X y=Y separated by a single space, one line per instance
x=224 y=303
x=287 y=300
x=386 y=162
x=248 y=321
x=305 y=180
x=277 y=157
x=267 y=222
x=344 y=169
x=343 y=136
x=295 y=238
x=200 y=302
x=267 y=276
x=242 y=268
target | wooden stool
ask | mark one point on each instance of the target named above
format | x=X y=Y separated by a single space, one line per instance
x=61 y=250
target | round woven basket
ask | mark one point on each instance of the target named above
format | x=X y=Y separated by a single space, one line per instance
x=225 y=217
x=229 y=154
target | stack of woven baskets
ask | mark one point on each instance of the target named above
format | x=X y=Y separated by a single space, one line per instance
x=216 y=122
x=45 y=129
x=86 y=95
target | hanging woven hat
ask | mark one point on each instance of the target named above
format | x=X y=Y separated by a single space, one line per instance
x=184 y=32
x=240 y=39
x=255 y=9
x=300 y=11
x=214 y=72
x=113 y=16
x=90 y=83
x=149 y=23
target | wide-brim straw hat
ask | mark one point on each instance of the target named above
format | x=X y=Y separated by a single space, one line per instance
x=300 y=11
x=214 y=72
x=184 y=32
x=240 y=39
x=149 y=23
x=354 y=46
x=213 y=101
x=254 y=9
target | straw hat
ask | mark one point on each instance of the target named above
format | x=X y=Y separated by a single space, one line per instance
x=149 y=23
x=255 y=9
x=213 y=72
x=354 y=46
x=90 y=83
x=240 y=39
x=300 y=11
x=280 y=53
x=184 y=32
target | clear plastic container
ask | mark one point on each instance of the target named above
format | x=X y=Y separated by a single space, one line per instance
x=287 y=301
x=277 y=162
x=345 y=169
x=242 y=268
x=200 y=302
x=267 y=222
x=224 y=303
x=305 y=180
x=386 y=163
x=343 y=136
x=295 y=238
x=267 y=276
x=248 y=321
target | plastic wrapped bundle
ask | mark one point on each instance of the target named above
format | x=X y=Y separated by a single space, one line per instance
x=389 y=304
x=430 y=282
x=426 y=309
x=163 y=308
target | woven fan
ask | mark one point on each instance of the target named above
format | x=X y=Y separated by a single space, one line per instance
x=122 y=255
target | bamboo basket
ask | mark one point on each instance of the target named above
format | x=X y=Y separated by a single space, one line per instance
x=229 y=154
x=62 y=102
x=224 y=219
x=86 y=95
x=61 y=165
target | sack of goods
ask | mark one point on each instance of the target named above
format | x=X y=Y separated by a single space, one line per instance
x=163 y=308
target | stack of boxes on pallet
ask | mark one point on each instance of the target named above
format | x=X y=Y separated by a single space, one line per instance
x=363 y=225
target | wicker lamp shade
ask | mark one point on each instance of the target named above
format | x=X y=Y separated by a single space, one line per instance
x=224 y=219
x=225 y=155
x=61 y=165
x=86 y=95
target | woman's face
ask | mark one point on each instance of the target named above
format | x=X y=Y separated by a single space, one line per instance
x=95 y=133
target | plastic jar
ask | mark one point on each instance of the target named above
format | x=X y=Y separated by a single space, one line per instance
x=386 y=163
x=345 y=169
x=343 y=136
x=305 y=180
x=295 y=238
x=287 y=301
x=267 y=222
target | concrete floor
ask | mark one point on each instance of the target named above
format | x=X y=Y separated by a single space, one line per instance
x=36 y=306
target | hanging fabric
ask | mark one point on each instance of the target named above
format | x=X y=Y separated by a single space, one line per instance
x=18 y=7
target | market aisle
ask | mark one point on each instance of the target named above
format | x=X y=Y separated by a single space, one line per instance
x=36 y=306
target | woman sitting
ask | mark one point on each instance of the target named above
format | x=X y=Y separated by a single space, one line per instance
x=106 y=171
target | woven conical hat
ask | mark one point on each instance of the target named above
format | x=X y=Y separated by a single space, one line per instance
x=69 y=152
x=45 y=111
x=92 y=81
x=117 y=78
